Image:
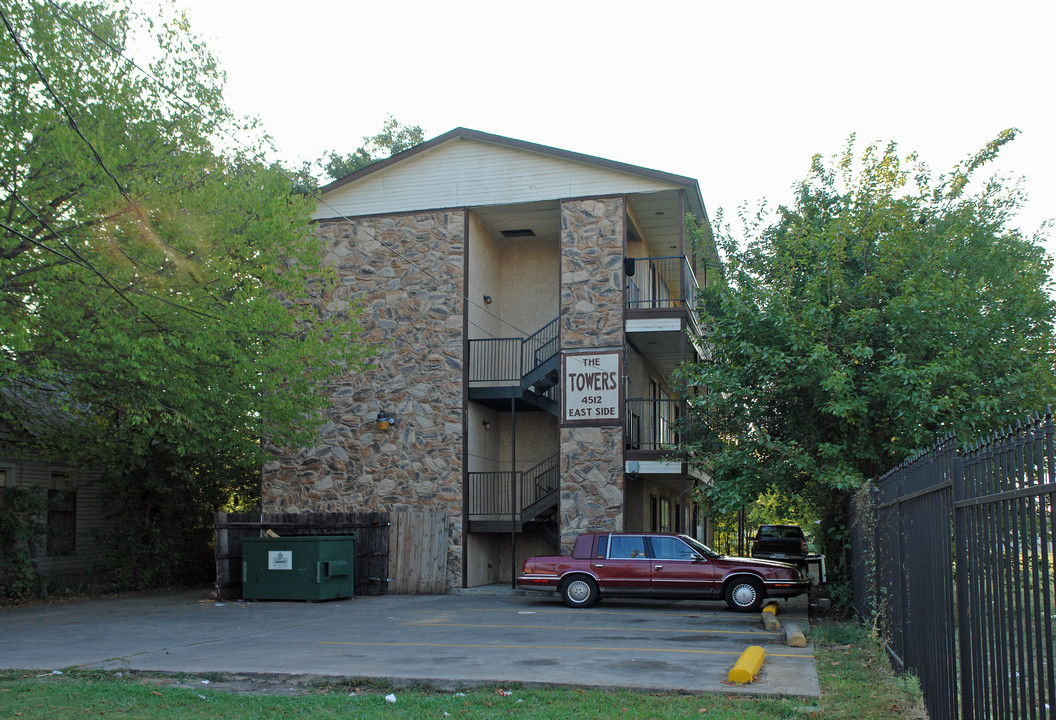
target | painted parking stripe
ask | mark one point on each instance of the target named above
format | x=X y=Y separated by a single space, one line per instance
x=553 y=647
x=585 y=627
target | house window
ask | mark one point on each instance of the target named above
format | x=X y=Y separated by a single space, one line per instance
x=654 y=513
x=7 y=476
x=665 y=514
x=62 y=516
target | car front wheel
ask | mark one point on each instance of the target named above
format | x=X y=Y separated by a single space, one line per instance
x=745 y=594
x=579 y=592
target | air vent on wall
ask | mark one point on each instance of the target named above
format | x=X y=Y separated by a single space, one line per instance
x=523 y=232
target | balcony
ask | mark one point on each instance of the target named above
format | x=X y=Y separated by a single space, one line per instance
x=653 y=426
x=661 y=287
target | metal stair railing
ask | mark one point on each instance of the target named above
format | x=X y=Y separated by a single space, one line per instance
x=500 y=360
x=536 y=488
x=539 y=347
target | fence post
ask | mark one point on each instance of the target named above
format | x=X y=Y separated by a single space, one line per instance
x=964 y=630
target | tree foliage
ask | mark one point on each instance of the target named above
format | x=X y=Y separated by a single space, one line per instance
x=20 y=530
x=155 y=277
x=885 y=308
x=391 y=139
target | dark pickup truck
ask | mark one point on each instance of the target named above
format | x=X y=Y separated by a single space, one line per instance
x=780 y=542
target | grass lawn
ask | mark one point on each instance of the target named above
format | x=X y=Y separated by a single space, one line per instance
x=856 y=683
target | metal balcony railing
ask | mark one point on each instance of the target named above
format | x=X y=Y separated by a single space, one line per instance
x=653 y=425
x=661 y=283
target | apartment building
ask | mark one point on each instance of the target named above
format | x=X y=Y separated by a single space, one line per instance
x=529 y=305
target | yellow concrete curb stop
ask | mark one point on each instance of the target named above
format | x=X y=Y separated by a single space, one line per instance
x=794 y=636
x=748 y=665
x=770 y=621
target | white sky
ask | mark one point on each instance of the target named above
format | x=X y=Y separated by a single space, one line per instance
x=738 y=95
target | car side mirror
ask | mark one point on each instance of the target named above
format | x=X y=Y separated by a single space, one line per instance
x=697 y=557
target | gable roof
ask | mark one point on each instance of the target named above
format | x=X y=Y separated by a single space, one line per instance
x=640 y=178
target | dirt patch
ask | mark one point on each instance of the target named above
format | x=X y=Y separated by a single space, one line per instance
x=821 y=605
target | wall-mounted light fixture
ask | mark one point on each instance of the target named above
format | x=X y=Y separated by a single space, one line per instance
x=486 y=424
x=487 y=299
x=385 y=420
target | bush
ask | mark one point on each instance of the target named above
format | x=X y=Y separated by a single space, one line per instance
x=21 y=510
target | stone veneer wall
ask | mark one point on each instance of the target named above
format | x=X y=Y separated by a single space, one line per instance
x=416 y=322
x=592 y=248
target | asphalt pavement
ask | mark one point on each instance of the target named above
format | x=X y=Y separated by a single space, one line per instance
x=448 y=641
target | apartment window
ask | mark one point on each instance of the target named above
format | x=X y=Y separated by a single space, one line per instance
x=635 y=440
x=665 y=514
x=62 y=515
x=654 y=415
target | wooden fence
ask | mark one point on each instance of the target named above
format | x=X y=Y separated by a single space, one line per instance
x=395 y=552
x=418 y=553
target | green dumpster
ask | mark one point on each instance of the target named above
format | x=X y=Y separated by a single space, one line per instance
x=298 y=568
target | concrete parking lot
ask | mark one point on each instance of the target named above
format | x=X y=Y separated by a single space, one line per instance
x=446 y=640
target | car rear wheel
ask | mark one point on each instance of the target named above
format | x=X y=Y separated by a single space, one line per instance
x=579 y=592
x=745 y=594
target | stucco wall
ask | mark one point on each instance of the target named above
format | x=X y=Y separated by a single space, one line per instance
x=485 y=272
x=537 y=439
x=416 y=321
x=531 y=271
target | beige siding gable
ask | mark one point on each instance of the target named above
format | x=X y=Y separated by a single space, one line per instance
x=468 y=173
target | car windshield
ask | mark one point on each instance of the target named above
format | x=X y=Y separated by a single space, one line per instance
x=700 y=547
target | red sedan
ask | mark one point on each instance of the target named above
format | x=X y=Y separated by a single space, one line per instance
x=658 y=565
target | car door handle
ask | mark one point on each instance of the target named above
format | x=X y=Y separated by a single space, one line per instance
x=658 y=567
x=599 y=565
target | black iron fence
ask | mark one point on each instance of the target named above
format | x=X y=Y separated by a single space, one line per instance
x=953 y=562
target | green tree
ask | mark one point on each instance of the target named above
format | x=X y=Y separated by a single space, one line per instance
x=391 y=139
x=156 y=279
x=885 y=308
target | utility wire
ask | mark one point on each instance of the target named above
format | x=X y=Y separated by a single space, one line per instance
x=62 y=107
x=260 y=156
x=77 y=258
x=110 y=281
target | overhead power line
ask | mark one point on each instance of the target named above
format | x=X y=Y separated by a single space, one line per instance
x=260 y=157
